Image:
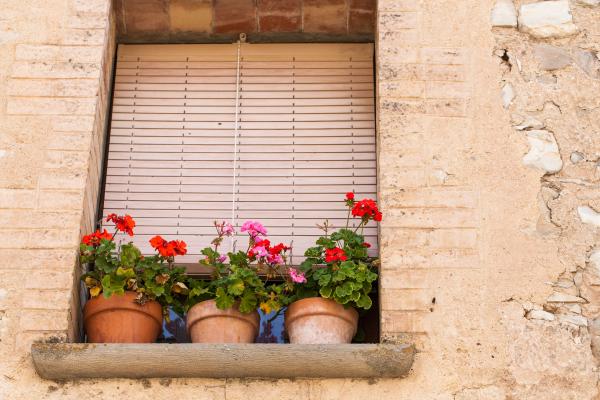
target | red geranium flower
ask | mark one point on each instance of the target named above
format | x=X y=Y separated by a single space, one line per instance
x=335 y=254
x=366 y=209
x=168 y=249
x=349 y=196
x=365 y=244
x=123 y=224
x=93 y=239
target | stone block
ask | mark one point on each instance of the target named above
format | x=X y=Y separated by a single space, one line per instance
x=504 y=14
x=551 y=57
x=280 y=7
x=547 y=19
x=543 y=152
x=234 y=16
x=588 y=61
x=191 y=15
x=325 y=16
x=588 y=215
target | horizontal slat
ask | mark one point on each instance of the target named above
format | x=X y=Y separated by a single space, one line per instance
x=308 y=189
x=244 y=140
x=126 y=155
x=244 y=71
x=244 y=87
x=329 y=173
x=247 y=165
x=322 y=206
x=244 y=125
x=262 y=110
x=267 y=198
x=230 y=94
x=244 y=102
x=248 y=181
x=292 y=81
x=243 y=117
x=177 y=132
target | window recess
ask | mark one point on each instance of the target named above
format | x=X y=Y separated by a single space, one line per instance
x=304 y=135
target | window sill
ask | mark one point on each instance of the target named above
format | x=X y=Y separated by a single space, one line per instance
x=60 y=361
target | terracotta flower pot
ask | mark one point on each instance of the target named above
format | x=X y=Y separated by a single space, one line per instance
x=206 y=323
x=316 y=320
x=119 y=319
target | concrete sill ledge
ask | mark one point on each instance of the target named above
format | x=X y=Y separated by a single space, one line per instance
x=64 y=361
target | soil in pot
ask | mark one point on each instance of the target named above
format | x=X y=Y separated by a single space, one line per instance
x=207 y=323
x=316 y=320
x=119 y=319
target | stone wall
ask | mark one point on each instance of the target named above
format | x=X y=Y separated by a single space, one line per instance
x=488 y=172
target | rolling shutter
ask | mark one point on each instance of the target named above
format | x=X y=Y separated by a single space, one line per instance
x=305 y=136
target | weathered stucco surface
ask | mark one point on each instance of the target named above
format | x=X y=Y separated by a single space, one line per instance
x=488 y=153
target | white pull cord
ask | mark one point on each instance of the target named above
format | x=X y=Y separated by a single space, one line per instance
x=235 y=136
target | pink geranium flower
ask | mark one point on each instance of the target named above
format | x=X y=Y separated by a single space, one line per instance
x=297 y=276
x=228 y=229
x=254 y=228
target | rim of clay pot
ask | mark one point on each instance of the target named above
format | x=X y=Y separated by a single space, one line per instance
x=208 y=309
x=298 y=310
x=100 y=304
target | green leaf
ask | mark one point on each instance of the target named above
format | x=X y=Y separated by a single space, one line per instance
x=364 y=302
x=325 y=292
x=129 y=255
x=125 y=272
x=248 y=302
x=223 y=300
x=236 y=287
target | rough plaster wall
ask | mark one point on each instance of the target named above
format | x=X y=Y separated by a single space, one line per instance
x=468 y=224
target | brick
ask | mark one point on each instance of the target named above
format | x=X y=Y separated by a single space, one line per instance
x=364 y=5
x=56 y=69
x=394 y=21
x=54 y=238
x=409 y=178
x=404 y=279
x=60 y=200
x=234 y=16
x=88 y=20
x=280 y=23
x=447 y=90
x=361 y=21
x=43 y=320
x=17 y=198
x=403 y=37
x=287 y=7
x=50 y=106
x=13 y=238
x=404 y=321
x=67 y=123
x=398 y=5
x=446 y=56
x=61 y=179
x=93 y=6
x=402 y=89
x=39 y=259
x=402 y=106
x=428 y=259
x=191 y=15
x=53 y=87
x=325 y=16
x=431 y=218
x=398 y=72
x=146 y=15
x=450 y=73
x=24 y=219
x=69 y=141
x=434 y=198
x=50 y=280
x=45 y=53
x=87 y=37
x=389 y=53
x=447 y=107
x=66 y=159
x=406 y=299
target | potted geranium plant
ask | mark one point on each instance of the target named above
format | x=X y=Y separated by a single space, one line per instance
x=129 y=292
x=224 y=309
x=335 y=279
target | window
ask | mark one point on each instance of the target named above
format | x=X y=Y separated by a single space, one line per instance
x=270 y=132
